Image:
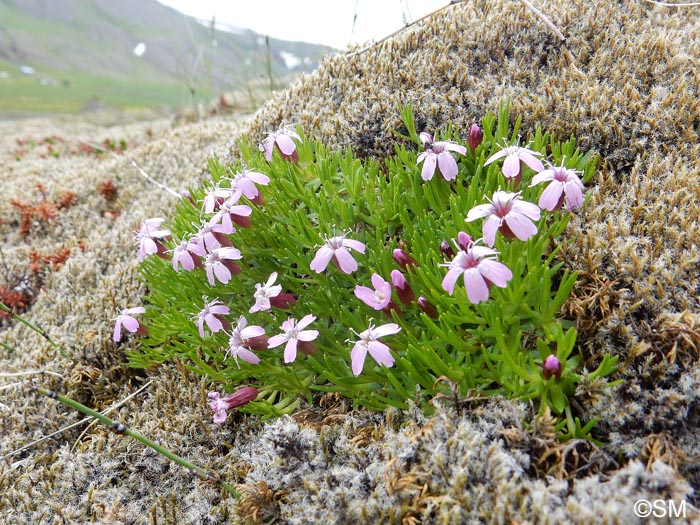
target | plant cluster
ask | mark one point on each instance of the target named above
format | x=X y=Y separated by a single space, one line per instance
x=302 y=270
x=56 y=146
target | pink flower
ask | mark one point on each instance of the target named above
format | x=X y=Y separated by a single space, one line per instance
x=282 y=141
x=245 y=181
x=379 y=297
x=264 y=292
x=220 y=404
x=336 y=248
x=220 y=263
x=551 y=367
x=230 y=212
x=565 y=184
x=126 y=319
x=369 y=343
x=211 y=314
x=438 y=154
x=508 y=214
x=514 y=156
x=216 y=196
x=239 y=343
x=188 y=254
x=149 y=238
x=480 y=271
x=294 y=332
x=213 y=235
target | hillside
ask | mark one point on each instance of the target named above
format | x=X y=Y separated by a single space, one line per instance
x=83 y=51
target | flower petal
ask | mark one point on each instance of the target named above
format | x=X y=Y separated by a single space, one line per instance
x=447 y=165
x=380 y=353
x=290 y=351
x=346 y=262
x=520 y=225
x=477 y=289
x=357 y=356
x=322 y=258
x=428 y=167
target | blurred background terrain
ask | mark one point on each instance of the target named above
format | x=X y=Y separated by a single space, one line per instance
x=77 y=56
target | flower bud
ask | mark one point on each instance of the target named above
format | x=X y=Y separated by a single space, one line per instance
x=476 y=135
x=446 y=250
x=259 y=342
x=403 y=289
x=551 y=367
x=428 y=307
x=283 y=300
x=464 y=240
x=404 y=259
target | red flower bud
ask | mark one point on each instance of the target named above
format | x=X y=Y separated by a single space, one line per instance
x=446 y=250
x=283 y=300
x=476 y=135
x=551 y=367
x=428 y=307
x=404 y=259
x=403 y=289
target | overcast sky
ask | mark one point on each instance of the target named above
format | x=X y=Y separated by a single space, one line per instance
x=328 y=22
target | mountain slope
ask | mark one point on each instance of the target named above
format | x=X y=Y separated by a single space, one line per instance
x=66 y=41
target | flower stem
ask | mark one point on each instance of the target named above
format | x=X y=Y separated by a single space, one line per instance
x=38 y=330
x=119 y=428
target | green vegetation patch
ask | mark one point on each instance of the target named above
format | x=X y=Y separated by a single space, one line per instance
x=431 y=275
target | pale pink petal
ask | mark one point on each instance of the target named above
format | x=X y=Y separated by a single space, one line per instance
x=213 y=323
x=305 y=321
x=520 y=225
x=511 y=166
x=200 y=325
x=135 y=310
x=346 y=262
x=277 y=340
x=429 y=167
x=117 y=335
x=528 y=209
x=574 y=195
x=489 y=229
x=386 y=329
x=479 y=211
x=451 y=146
x=130 y=323
x=448 y=166
x=285 y=144
x=542 y=176
x=529 y=159
x=252 y=331
x=247 y=355
x=323 y=257
x=448 y=283
x=496 y=272
x=307 y=335
x=269 y=145
x=290 y=351
x=357 y=356
x=366 y=295
x=222 y=273
x=355 y=245
x=476 y=287
x=496 y=156
x=219 y=309
x=380 y=353
x=550 y=196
